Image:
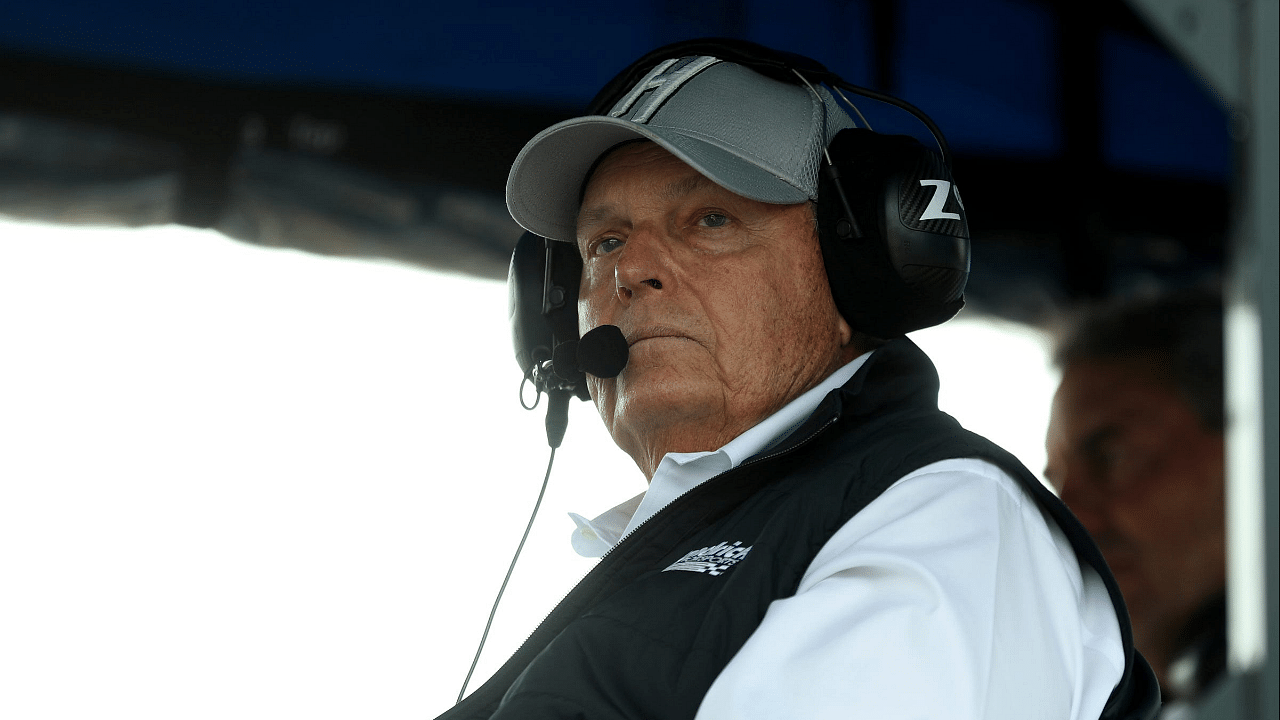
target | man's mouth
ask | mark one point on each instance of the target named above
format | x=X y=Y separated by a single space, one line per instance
x=653 y=333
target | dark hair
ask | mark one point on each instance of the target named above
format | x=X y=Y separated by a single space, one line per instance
x=1180 y=332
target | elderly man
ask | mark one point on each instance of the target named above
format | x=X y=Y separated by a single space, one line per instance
x=1135 y=447
x=817 y=539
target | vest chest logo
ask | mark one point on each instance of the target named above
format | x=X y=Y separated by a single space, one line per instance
x=714 y=560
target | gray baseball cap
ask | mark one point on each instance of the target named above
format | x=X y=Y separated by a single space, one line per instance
x=752 y=135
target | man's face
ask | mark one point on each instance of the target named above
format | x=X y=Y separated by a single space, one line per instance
x=1135 y=464
x=723 y=301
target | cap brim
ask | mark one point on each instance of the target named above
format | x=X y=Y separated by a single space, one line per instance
x=547 y=176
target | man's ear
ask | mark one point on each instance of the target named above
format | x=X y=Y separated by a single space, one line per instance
x=854 y=343
x=845 y=331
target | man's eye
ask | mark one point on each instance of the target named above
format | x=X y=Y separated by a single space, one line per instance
x=715 y=220
x=608 y=245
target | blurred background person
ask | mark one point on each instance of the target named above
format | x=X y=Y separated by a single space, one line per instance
x=1135 y=449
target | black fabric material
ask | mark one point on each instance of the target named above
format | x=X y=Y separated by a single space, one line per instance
x=633 y=641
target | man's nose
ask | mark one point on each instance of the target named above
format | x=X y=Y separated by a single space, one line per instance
x=644 y=265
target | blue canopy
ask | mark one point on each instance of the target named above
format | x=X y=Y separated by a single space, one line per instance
x=1090 y=158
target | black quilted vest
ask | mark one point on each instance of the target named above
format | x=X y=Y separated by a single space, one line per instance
x=636 y=641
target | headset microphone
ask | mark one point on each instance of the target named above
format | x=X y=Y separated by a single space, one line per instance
x=603 y=352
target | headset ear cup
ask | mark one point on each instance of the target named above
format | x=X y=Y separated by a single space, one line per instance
x=562 y=317
x=908 y=269
x=565 y=277
x=531 y=336
x=542 y=302
x=929 y=244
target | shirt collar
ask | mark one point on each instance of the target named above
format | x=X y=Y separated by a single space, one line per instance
x=678 y=473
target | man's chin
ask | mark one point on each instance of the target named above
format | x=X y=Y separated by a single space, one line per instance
x=649 y=399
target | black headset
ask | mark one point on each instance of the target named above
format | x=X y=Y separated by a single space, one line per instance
x=891 y=225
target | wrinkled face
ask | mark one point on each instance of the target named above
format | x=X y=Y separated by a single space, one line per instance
x=723 y=300
x=1135 y=464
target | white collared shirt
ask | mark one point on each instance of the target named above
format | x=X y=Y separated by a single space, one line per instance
x=678 y=473
x=951 y=595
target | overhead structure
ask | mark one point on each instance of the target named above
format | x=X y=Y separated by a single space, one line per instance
x=1233 y=48
x=1093 y=161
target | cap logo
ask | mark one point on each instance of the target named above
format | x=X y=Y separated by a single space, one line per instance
x=661 y=83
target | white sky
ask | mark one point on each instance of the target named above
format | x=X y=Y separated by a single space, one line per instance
x=253 y=483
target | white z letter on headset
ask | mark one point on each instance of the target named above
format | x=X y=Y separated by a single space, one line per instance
x=941 y=189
